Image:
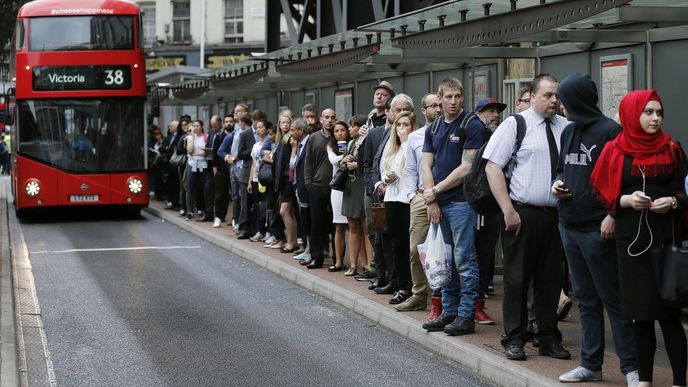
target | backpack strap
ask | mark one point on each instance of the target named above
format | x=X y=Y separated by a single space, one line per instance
x=520 y=130
x=435 y=124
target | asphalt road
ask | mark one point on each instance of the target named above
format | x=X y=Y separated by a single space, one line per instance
x=119 y=312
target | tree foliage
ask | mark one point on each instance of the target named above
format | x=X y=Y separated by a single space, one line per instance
x=8 y=15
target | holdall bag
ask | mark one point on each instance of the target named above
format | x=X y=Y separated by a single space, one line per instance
x=338 y=182
x=379 y=219
x=265 y=174
x=671 y=271
x=178 y=160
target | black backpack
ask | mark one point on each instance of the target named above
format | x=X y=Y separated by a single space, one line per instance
x=476 y=188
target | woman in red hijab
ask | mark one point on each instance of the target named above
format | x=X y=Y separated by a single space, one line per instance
x=638 y=176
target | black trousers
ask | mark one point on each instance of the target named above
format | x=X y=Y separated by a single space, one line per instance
x=245 y=218
x=321 y=219
x=209 y=192
x=535 y=253
x=398 y=216
x=486 y=237
x=221 y=194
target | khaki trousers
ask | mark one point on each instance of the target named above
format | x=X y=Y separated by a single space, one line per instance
x=418 y=231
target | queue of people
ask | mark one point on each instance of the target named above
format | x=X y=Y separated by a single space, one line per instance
x=583 y=200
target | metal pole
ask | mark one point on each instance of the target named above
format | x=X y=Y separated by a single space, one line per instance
x=202 y=60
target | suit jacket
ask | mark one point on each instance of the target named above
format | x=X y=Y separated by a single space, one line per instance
x=280 y=168
x=372 y=143
x=300 y=170
x=378 y=156
x=246 y=142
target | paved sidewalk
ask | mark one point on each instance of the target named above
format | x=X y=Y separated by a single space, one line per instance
x=481 y=352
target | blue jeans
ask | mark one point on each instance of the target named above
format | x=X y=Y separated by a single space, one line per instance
x=595 y=280
x=458 y=229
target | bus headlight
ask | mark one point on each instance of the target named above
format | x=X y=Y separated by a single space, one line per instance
x=32 y=188
x=135 y=185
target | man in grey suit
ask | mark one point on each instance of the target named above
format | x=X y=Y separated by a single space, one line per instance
x=247 y=138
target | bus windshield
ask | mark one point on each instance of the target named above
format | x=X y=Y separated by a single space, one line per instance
x=70 y=33
x=83 y=135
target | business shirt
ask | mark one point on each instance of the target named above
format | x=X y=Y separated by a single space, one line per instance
x=531 y=177
x=414 y=157
x=234 y=149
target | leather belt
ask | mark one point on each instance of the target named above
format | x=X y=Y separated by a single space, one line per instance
x=536 y=208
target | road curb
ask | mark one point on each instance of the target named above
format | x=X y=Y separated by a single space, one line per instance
x=494 y=368
x=9 y=370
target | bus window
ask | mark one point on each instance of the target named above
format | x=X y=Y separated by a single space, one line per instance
x=81 y=33
x=18 y=37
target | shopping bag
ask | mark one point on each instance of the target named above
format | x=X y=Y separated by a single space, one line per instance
x=436 y=258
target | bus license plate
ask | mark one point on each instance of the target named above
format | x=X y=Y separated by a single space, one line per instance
x=83 y=198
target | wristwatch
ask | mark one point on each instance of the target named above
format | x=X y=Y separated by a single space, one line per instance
x=674 y=203
x=435 y=191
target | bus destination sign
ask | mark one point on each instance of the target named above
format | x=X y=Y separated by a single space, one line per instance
x=81 y=78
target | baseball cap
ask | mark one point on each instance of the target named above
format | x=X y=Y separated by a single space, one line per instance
x=385 y=85
x=488 y=103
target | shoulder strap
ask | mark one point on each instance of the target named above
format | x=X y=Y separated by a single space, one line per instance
x=435 y=124
x=520 y=130
x=464 y=123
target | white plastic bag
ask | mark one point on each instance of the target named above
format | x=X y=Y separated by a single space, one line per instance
x=436 y=258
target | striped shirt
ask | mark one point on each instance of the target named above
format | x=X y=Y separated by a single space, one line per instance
x=531 y=178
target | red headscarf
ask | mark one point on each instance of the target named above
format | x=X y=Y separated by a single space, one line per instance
x=650 y=151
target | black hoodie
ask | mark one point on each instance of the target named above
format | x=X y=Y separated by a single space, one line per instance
x=581 y=144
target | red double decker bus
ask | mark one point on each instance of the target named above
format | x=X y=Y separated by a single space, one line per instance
x=79 y=133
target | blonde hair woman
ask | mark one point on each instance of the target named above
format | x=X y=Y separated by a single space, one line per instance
x=397 y=208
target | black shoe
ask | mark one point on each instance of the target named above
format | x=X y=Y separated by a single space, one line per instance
x=515 y=352
x=536 y=342
x=204 y=219
x=188 y=216
x=399 y=297
x=460 y=326
x=373 y=284
x=334 y=268
x=554 y=350
x=243 y=236
x=439 y=323
x=316 y=263
x=389 y=289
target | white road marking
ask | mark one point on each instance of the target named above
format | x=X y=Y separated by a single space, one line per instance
x=115 y=249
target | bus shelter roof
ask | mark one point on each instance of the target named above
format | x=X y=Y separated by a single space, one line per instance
x=447 y=34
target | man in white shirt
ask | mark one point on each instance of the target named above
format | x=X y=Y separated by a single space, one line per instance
x=530 y=236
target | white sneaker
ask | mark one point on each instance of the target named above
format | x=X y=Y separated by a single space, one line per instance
x=258 y=237
x=182 y=212
x=633 y=379
x=270 y=241
x=581 y=374
x=217 y=223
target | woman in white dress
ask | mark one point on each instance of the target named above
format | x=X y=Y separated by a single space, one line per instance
x=335 y=152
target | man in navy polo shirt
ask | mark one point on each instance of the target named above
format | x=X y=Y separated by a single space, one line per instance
x=447 y=158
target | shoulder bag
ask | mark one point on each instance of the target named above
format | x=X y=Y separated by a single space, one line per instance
x=671 y=271
x=379 y=219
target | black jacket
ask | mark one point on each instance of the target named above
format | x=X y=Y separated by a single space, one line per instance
x=582 y=142
x=246 y=141
x=372 y=144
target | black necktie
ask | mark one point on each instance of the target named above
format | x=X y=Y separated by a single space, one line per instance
x=553 y=153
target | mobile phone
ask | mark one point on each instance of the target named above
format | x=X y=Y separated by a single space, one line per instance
x=649 y=199
x=563 y=190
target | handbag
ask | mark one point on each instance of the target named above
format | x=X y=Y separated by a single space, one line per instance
x=265 y=174
x=339 y=179
x=379 y=221
x=178 y=160
x=671 y=271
